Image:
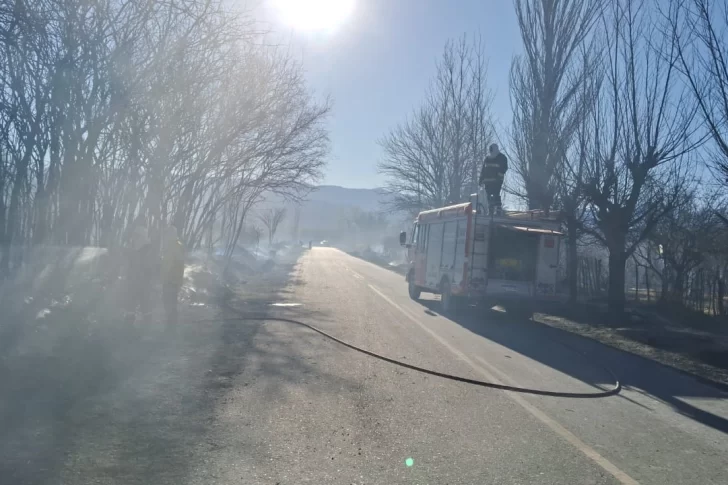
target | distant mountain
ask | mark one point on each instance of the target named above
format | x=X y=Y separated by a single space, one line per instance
x=324 y=213
x=364 y=199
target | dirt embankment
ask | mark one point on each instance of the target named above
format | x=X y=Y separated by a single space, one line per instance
x=687 y=341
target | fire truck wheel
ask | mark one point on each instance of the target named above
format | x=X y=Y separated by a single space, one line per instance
x=414 y=290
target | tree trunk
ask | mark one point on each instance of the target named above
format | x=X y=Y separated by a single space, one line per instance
x=721 y=293
x=40 y=228
x=678 y=289
x=701 y=291
x=4 y=243
x=616 y=297
x=107 y=225
x=664 y=284
x=14 y=216
x=538 y=178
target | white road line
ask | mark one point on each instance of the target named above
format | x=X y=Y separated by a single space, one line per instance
x=556 y=427
x=353 y=273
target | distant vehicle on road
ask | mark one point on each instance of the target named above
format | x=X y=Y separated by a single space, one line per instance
x=463 y=254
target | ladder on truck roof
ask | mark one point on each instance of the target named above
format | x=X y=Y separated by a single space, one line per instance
x=525 y=215
x=534 y=215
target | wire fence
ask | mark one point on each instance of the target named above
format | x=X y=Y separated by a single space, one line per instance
x=701 y=290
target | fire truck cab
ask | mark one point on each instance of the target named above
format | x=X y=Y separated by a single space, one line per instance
x=463 y=254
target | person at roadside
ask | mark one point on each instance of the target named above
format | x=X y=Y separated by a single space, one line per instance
x=173 y=266
x=492 y=175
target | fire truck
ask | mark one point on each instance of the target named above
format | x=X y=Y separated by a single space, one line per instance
x=464 y=254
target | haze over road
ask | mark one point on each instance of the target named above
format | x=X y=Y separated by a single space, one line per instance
x=353 y=419
x=273 y=403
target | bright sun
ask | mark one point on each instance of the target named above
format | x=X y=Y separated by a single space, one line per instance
x=314 y=15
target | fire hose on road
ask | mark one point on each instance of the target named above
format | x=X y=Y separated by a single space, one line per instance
x=614 y=390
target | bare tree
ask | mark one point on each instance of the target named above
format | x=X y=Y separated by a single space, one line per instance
x=256 y=232
x=681 y=240
x=545 y=89
x=699 y=29
x=114 y=109
x=271 y=219
x=433 y=158
x=637 y=169
x=570 y=155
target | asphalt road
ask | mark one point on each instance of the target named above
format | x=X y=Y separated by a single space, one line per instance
x=272 y=403
x=343 y=417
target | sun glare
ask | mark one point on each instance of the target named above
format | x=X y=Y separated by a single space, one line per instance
x=314 y=15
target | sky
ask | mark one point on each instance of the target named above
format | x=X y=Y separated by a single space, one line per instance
x=376 y=65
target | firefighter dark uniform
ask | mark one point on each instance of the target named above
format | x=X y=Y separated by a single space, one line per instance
x=492 y=175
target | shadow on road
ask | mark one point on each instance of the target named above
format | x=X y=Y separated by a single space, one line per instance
x=570 y=354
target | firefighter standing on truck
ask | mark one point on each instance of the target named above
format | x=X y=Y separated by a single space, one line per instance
x=491 y=177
